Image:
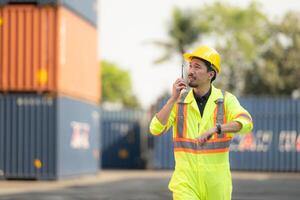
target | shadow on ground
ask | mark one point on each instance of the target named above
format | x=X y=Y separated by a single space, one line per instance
x=156 y=189
x=133 y=189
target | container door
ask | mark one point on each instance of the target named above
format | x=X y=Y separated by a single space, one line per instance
x=121 y=144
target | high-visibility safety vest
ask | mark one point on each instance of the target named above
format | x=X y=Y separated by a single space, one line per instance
x=188 y=124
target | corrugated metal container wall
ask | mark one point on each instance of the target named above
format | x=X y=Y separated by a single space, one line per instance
x=162 y=156
x=87 y=9
x=2 y=142
x=50 y=54
x=78 y=68
x=28 y=131
x=274 y=144
x=121 y=145
x=163 y=152
x=77 y=137
x=44 y=137
x=27 y=59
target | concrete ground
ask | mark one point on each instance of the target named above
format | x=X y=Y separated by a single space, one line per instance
x=147 y=185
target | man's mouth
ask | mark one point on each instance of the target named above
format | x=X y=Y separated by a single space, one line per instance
x=191 y=77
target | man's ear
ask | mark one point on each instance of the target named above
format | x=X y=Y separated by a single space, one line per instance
x=211 y=74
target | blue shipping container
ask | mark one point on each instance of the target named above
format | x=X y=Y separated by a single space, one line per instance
x=274 y=144
x=87 y=9
x=46 y=137
x=161 y=146
x=121 y=139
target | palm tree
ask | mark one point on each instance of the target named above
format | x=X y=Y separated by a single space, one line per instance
x=183 y=31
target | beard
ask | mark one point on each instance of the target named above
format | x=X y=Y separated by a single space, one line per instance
x=192 y=82
x=193 y=85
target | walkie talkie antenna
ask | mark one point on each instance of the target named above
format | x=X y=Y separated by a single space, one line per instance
x=182 y=66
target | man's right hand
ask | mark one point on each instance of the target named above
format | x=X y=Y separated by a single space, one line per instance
x=164 y=113
x=177 y=87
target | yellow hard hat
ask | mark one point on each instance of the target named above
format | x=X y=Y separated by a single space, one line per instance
x=206 y=53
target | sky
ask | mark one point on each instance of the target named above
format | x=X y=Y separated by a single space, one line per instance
x=127 y=28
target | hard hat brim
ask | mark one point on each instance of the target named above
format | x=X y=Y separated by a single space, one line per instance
x=188 y=57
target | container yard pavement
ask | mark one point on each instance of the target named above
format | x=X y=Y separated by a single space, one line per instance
x=152 y=185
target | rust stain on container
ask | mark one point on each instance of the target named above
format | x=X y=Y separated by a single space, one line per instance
x=48 y=49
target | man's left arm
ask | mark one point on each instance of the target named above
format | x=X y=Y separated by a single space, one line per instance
x=236 y=113
x=238 y=120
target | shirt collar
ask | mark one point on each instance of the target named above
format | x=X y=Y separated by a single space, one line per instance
x=215 y=94
x=204 y=97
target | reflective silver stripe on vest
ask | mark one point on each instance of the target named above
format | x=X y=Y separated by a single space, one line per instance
x=180 y=122
x=206 y=146
x=220 y=113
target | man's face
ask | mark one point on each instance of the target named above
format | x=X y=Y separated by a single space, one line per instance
x=198 y=74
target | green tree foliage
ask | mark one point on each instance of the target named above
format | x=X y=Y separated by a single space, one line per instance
x=278 y=70
x=259 y=56
x=116 y=85
x=239 y=35
x=182 y=30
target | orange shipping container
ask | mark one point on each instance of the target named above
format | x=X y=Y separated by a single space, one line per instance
x=48 y=49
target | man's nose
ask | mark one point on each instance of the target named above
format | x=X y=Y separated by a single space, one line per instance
x=191 y=71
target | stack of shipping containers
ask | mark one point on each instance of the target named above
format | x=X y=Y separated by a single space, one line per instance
x=49 y=89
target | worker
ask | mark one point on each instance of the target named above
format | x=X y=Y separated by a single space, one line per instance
x=204 y=120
